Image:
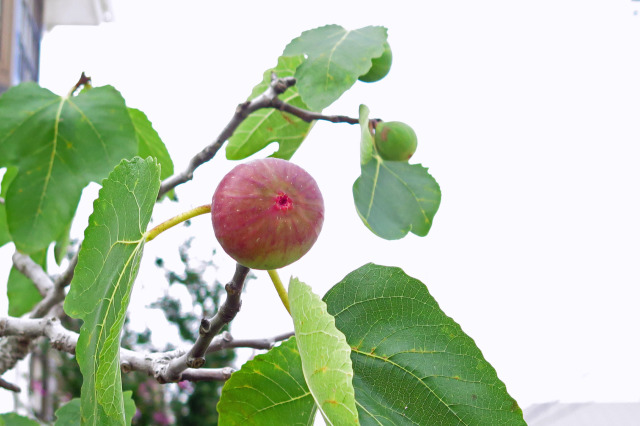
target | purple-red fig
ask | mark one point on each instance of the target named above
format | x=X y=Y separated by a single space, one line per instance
x=267 y=213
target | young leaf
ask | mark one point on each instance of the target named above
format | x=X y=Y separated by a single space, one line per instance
x=269 y=125
x=107 y=266
x=325 y=356
x=335 y=59
x=394 y=198
x=21 y=292
x=413 y=364
x=366 y=139
x=59 y=145
x=69 y=413
x=268 y=390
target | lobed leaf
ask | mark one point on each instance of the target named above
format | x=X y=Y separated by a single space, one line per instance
x=268 y=125
x=412 y=363
x=394 y=198
x=59 y=145
x=268 y=390
x=107 y=266
x=336 y=58
x=324 y=353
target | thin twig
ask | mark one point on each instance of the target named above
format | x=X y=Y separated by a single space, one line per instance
x=65 y=278
x=310 y=116
x=207 y=374
x=9 y=386
x=225 y=340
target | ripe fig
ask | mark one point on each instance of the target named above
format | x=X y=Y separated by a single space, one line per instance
x=380 y=66
x=395 y=141
x=267 y=213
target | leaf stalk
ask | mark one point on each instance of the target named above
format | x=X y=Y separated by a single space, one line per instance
x=284 y=297
x=176 y=220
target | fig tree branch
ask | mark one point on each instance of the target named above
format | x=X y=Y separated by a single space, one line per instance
x=210 y=327
x=277 y=86
x=154 y=363
x=268 y=99
x=51 y=291
x=33 y=271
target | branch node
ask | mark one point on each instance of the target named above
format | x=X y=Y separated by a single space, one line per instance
x=195 y=362
x=282 y=84
x=227 y=372
x=125 y=367
x=205 y=326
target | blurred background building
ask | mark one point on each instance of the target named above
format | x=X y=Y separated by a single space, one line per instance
x=22 y=24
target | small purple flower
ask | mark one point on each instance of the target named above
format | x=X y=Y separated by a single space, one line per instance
x=161 y=418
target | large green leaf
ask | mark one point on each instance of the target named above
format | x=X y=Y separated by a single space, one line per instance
x=412 y=363
x=107 y=266
x=336 y=58
x=21 y=291
x=70 y=413
x=268 y=390
x=394 y=198
x=268 y=125
x=10 y=173
x=59 y=145
x=325 y=356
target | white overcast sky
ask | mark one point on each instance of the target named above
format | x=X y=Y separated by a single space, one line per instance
x=527 y=114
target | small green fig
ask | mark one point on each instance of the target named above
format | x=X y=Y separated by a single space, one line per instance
x=267 y=213
x=395 y=141
x=380 y=66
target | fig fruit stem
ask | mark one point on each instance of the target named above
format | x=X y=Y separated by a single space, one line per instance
x=177 y=220
x=280 y=288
